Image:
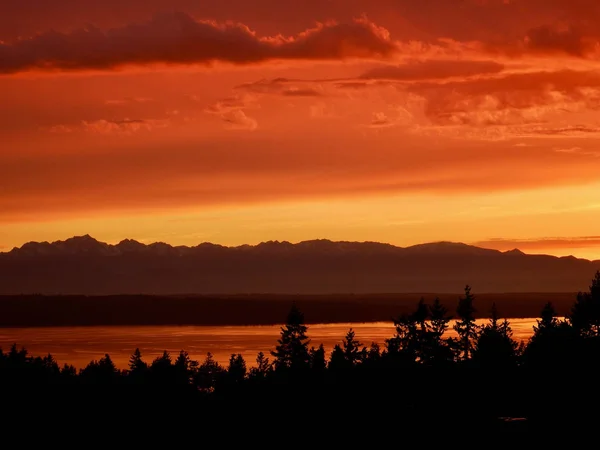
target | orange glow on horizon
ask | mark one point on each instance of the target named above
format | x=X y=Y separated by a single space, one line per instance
x=215 y=124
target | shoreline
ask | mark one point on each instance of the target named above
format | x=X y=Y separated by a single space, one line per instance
x=34 y=311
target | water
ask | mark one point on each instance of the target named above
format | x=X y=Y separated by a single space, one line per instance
x=80 y=345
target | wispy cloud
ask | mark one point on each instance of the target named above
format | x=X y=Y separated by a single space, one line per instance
x=547 y=243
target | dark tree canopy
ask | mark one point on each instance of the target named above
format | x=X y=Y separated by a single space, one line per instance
x=292 y=349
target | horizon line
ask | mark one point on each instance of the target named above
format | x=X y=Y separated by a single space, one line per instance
x=275 y=241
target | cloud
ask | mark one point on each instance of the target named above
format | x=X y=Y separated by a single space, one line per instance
x=512 y=99
x=571 y=131
x=58 y=129
x=540 y=243
x=577 y=151
x=231 y=111
x=238 y=120
x=125 y=101
x=322 y=110
x=177 y=38
x=433 y=69
x=550 y=39
x=270 y=166
x=103 y=126
x=381 y=120
x=282 y=86
x=117 y=126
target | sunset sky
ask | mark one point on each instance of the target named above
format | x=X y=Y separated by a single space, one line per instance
x=238 y=121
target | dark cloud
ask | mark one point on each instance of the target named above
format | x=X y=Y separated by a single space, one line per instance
x=433 y=69
x=177 y=38
x=573 y=130
x=282 y=86
x=550 y=39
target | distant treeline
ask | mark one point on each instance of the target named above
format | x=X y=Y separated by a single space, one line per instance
x=252 y=309
x=419 y=377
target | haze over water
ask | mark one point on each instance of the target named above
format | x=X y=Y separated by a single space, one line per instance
x=80 y=345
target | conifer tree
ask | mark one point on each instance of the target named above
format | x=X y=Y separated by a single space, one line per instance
x=465 y=326
x=292 y=349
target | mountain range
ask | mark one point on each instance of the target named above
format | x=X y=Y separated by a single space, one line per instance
x=84 y=265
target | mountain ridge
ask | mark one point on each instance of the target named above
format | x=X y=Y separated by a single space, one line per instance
x=84 y=265
x=129 y=244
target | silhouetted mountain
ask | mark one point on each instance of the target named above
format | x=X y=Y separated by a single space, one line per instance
x=83 y=265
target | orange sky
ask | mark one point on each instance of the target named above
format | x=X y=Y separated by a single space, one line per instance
x=238 y=122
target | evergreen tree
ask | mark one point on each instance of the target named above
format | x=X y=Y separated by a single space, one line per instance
x=163 y=362
x=136 y=364
x=554 y=342
x=318 y=363
x=68 y=371
x=403 y=340
x=374 y=353
x=209 y=374
x=237 y=368
x=107 y=365
x=421 y=315
x=438 y=350
x=184 y=367
x=585 y=314
x=465 y=326
x=494 y=345
x=263 y=367
x=103 y=370
x=183 y=360
x=413 y=335
x=50 y=365
x=439 y=318
x=353 y=353
x=337 y=360
x=292 y=349
x=547 y=321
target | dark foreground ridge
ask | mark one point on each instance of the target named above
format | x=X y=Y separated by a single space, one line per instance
x=74 y=310
x=480 y=385
x=83 y=265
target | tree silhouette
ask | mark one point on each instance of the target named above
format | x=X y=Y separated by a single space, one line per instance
x=183 y=361
x=494 y=345
x=553 y=342
x=414 y=337
x=103 y=370
x=465 y=325
x=184 y=368
x=292 y=349
x=209 y=374
x=263 y=367
x=318 y=363
x=404 y=340
x=337 y=360
x=136 y=364
x=106 y=364
x=548 y=319
x=68 y=371
x=236 y=370
x=374 y=354
x=16 y=355
x=439 y=318
x=438 y=350
x=585 y=314
x=353 y=353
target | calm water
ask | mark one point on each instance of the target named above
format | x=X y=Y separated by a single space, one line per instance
x=80 y=345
